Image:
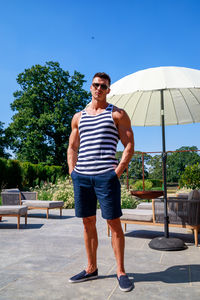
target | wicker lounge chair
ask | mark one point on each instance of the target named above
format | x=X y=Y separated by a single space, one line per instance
x=182 y=211
x=30 y=200
x=11 y=207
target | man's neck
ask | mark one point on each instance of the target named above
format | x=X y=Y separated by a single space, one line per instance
x=96 y=104
x=96 y=107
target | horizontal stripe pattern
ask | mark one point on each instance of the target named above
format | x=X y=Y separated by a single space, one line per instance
x=98 y=143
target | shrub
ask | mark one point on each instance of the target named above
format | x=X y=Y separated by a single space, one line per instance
x=138 y=186
x=37 y=174
x=3 y=172
x=61 y=191
x=14 y=174
x=127 y=200
x=23 y=175
x=191 y=177
x=156 y=182
x=64 y=193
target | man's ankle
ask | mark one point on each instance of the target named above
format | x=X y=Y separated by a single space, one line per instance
x=91 y=269
x=119 y=273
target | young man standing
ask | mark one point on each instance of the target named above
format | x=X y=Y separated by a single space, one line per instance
x=95 y=173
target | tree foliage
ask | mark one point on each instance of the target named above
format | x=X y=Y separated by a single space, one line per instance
x=135 y=166
x=155 y=167
x=3 y=142
x=191 y=177
x=178 y=161
x=44 y=106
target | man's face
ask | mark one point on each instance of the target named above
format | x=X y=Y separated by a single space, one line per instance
x=99 y=88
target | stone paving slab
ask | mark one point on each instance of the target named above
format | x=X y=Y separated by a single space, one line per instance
x=37 y=260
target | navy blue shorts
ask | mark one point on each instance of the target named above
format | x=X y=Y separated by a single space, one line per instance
x=104 y=187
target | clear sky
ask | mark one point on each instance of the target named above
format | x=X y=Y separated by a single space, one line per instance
x=114 y=36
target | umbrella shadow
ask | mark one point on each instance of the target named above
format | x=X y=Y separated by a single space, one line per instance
x=150 y=234
x=172 y=275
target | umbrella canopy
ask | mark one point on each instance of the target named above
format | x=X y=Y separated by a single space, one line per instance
x=160 y=96
x=139 y=95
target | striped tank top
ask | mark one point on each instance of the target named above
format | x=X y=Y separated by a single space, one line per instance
x=98 y=143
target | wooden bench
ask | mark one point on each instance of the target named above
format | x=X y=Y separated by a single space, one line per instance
x=29 y=199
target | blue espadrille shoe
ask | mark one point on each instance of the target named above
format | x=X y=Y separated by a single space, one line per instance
x=84 y=276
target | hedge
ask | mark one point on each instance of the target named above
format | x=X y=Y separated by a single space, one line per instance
x=23 y=175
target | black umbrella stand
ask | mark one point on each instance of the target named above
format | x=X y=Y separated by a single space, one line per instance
x=165 y=243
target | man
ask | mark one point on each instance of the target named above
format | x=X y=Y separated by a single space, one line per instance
x=95 y=173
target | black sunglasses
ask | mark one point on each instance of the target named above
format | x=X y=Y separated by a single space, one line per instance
x=102 y=86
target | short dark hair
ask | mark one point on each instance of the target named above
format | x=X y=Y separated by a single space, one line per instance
x=102 y=75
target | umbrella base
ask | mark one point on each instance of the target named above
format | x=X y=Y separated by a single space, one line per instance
x=167 y=244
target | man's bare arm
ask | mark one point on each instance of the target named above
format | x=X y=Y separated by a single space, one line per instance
x=74 y=141
x=123 y=124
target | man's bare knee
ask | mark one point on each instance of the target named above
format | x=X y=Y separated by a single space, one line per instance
x=115 y=225
x=89 y=222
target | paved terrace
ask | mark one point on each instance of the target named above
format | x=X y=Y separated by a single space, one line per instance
x=36 y=262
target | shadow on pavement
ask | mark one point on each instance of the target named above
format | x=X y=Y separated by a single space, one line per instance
x=149 y=234
x=5 y=225
x=175 y=274
x=43 y=216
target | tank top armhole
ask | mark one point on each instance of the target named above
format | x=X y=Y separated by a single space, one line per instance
x=80 y=118
x=113 y=119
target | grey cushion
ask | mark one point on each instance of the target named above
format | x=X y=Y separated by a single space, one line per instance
x=13 y=210
x=144 y=205
x=182 y=195
x=137 y=215
x=11 y=190
x=194 y=195
x=42 y=203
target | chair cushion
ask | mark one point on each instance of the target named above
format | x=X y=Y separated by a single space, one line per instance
x=42 y=203
x=137 y=215
x=144 y=205
x=11 y=190
x=194 y=195
x=182 y=195
x=13 y=210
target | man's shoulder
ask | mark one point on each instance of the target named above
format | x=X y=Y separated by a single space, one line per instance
x=120 y=116
x=76 y=117
x=120 y=112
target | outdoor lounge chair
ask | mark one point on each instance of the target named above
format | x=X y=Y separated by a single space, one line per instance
x=182 y=211
x=12 y=208
x=30 y=200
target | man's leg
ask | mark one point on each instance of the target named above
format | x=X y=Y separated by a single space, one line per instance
x=91 y=242
x=118 y=244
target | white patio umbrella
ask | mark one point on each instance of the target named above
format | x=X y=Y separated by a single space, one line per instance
x=158 y=97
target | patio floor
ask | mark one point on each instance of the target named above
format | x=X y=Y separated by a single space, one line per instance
x=37 y=260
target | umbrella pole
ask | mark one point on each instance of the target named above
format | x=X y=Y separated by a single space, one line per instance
x=164 y=159
x=165 y=243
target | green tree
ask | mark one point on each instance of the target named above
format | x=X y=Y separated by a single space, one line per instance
x=135 y=166
x=44 y=106
x=155 y=167
x=3 y=142
x=178 y=161
x=191 y=177
x=175 y=165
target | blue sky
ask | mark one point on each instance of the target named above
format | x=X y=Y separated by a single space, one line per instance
x=117 y=37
